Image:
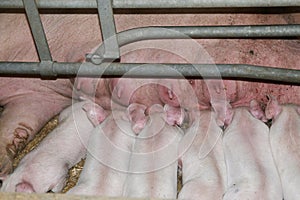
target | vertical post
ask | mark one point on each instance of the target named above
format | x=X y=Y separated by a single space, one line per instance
x=111 y=50
x=37 y=30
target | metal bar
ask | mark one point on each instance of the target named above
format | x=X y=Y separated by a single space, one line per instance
x=141 y=4
x=202 y=3
x=250 y=72
x=201 y=32
x=208 y=32
x=37 y=30
x=109 y=36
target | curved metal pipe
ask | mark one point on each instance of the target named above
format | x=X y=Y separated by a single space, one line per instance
x=199 y=32
x=208 y=32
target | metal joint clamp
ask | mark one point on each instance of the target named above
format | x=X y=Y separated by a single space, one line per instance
x=46 y=69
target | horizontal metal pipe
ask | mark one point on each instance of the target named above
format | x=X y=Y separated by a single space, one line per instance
x=140 y=4
x=236 y=71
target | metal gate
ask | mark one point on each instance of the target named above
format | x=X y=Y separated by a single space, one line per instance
x=101 y=61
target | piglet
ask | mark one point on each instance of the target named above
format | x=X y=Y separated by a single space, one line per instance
x=203 y=164
x=153 y=163
x=46 y=167
x=285 y=141
x=109 y=152
x=251 y=171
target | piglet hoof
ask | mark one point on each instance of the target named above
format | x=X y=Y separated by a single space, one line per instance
x=24 y=187
x=95 y=113
x=257 y=111
x=273 y=108
x=174 y=115
x=136 y=115
x=8 y=152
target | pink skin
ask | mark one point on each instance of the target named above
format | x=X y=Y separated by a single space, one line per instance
x=174 y=92
x=136 y=115
x=284 y=142
x=257 y=111
x=45 y=169
x=258 y=178
x=273 y=108
x=105 y=174
x=185 y=93
x=153 y=164
x=203 y=164
x=95 y=113
x=174 y=116
x=126 y=91
x=28 y=105
x=69 y=46
x=94 y=89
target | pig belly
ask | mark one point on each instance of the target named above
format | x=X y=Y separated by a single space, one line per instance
x=105 y=173
x=28 y=105
x=125 y=91
x=153 y=164
x=203 y=165
x=250 y=167
x=284 y=139
x=46 y=167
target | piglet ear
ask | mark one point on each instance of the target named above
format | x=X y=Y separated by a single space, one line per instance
x=224 y=112
x=257 y=111
x=174 y=115
x=95 y=113
x=273 y=108
x=137 y=117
